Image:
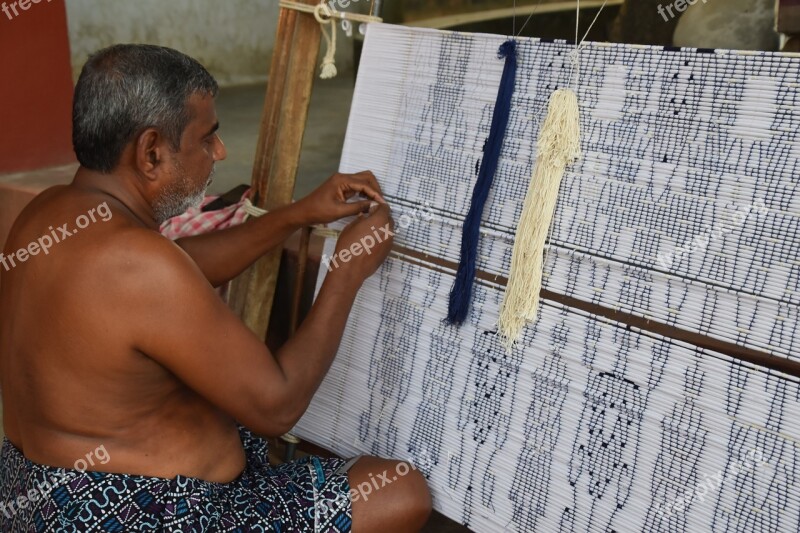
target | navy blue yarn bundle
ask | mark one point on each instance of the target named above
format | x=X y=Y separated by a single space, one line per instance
x=461 y=293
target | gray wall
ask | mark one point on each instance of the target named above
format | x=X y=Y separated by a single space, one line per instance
x=735 y=24
x=232 y=38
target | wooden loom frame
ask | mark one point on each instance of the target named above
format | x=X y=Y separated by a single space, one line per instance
x=283 y=121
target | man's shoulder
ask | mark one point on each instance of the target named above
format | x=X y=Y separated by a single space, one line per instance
x=134 y=241
x=141 y=252
x=145 y=273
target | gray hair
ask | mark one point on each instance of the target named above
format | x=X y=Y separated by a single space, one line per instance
x=127 y=88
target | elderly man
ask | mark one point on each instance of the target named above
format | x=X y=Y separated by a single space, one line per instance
x=112 y=337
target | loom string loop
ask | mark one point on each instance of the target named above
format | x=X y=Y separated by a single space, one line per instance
x=575 y=81
x=325 y=16
x=533 y=13
x=461 y=293
x=575 y=53
x=574 y=57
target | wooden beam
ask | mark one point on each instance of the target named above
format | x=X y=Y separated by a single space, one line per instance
x=283 y=121
x=741 y=353
x=497 y=14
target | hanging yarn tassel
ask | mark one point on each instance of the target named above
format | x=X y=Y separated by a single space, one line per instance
x=461 y=294
x=324 y=16
x=558 y=146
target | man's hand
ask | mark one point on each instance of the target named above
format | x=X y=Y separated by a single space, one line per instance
x=364 y=245
x=329 y=202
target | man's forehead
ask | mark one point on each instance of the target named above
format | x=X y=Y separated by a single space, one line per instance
x=203 y=109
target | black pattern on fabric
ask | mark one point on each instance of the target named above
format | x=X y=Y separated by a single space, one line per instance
x=601 y=427
x=484 y=412
x=677 y=145
x=390 y=373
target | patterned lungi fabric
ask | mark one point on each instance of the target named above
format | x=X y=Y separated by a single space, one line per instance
x=305 y=495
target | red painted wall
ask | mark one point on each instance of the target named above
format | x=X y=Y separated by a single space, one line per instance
x=35 y=86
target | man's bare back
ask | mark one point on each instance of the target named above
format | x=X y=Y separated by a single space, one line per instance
x=71 y=340
x=97 y=323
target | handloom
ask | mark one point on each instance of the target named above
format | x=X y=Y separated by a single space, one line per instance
x=586 y=424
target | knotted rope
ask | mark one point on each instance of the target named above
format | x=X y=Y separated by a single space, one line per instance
x=325 y=16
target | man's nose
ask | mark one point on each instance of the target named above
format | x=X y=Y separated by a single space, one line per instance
x=220 y=152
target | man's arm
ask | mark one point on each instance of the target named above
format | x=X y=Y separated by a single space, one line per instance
x=209 y=349
x=223 y=255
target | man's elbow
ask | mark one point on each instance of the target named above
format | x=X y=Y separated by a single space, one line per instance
x=273 y=430
x=278 y=419
x=292 y=414
x=269 y=424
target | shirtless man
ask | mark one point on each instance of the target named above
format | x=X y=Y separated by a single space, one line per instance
x=115 y=337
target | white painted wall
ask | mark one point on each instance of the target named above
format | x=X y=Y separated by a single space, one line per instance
x=232 y=38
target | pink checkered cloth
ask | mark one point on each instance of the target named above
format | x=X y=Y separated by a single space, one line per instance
x=196 y=222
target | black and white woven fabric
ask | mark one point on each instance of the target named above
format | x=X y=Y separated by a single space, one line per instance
x=683 y=211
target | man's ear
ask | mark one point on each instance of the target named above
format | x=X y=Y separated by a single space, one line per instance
x=150 y=152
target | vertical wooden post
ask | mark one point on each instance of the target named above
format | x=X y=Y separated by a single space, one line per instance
x=283 y=121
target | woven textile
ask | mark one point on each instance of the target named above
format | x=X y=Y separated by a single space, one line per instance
x=683 y=210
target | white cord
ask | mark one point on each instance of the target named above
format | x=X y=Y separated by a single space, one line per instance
x=576 y=63
x=252 y=210
x=325 y=17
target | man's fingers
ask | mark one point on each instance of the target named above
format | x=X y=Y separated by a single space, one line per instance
x=382 y=210
x=364 y=183
x=356 y=208
x=352 y=223
x=372 y=181
x=364 y=188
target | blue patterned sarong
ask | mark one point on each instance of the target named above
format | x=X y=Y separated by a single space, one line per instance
x=305 y=495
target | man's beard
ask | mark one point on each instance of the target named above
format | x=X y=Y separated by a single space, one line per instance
x=179 y=196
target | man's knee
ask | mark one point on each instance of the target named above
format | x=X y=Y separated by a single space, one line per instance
x=419 y=500
x=413 y=491
x=390 y=492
